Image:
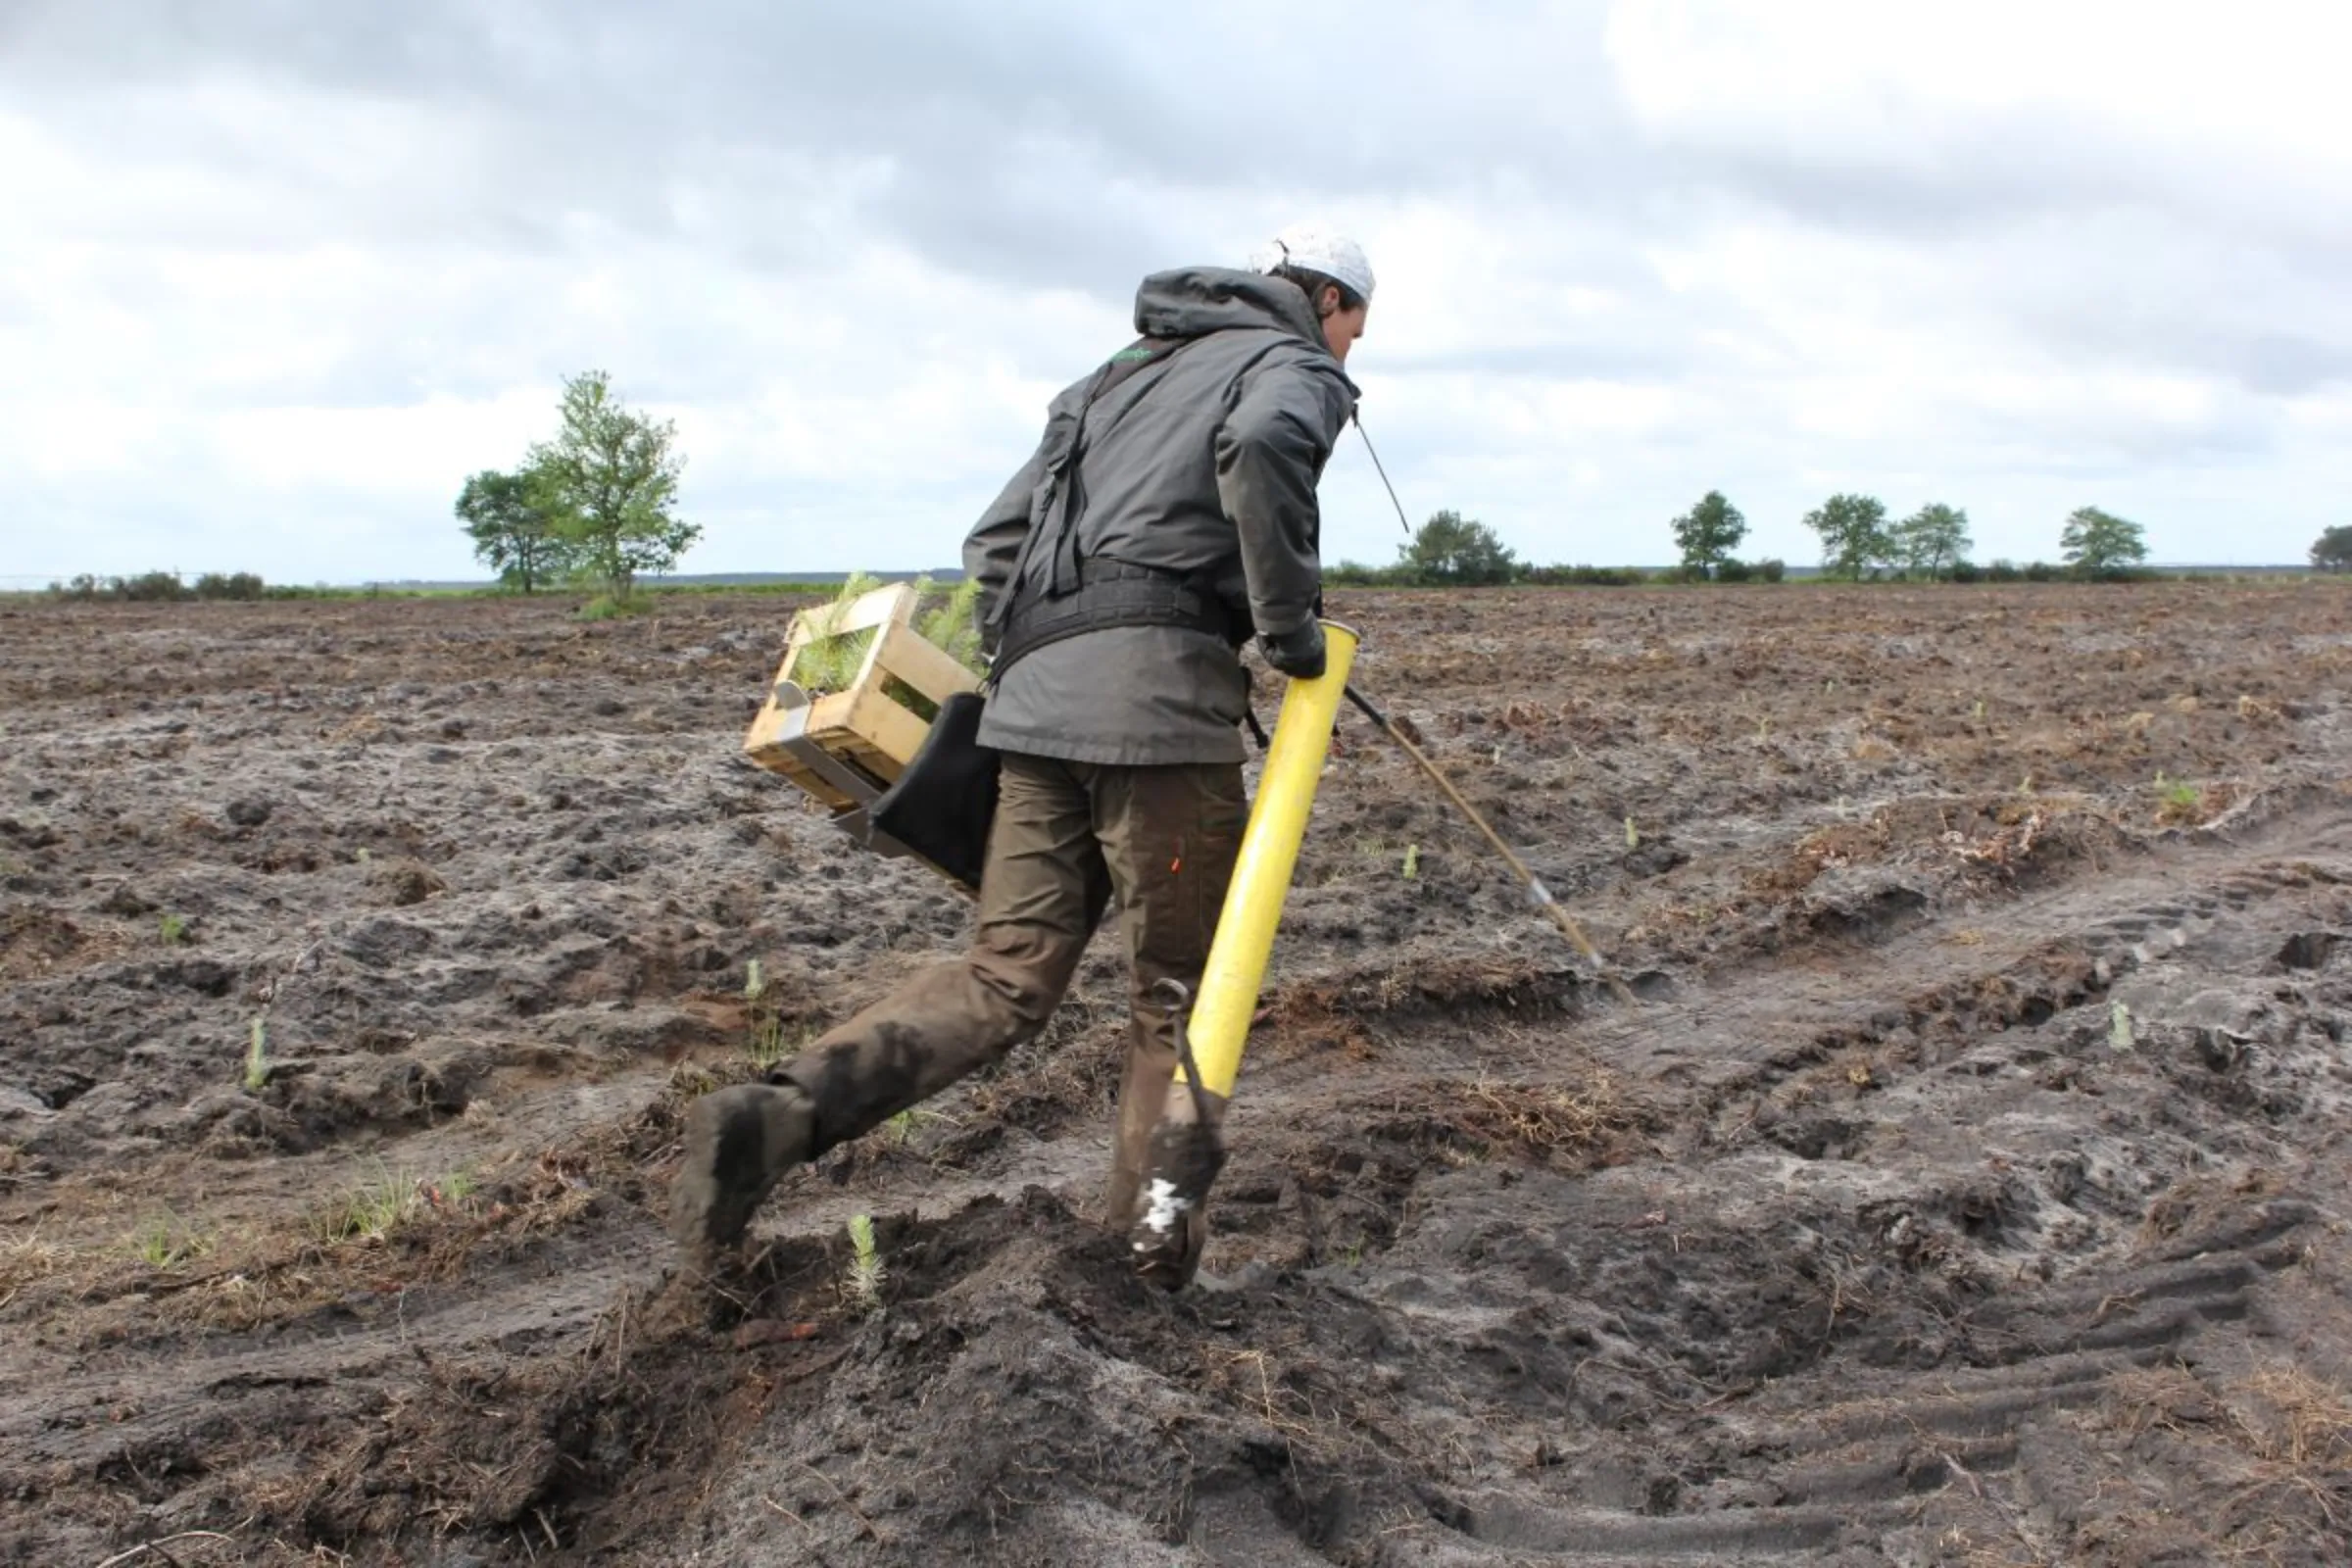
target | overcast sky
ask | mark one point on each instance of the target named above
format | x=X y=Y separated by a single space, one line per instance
x=275 y=275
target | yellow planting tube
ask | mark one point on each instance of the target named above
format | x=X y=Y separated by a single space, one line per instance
x=1261 y=874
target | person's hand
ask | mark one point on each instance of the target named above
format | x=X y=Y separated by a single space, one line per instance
x=1297 y=653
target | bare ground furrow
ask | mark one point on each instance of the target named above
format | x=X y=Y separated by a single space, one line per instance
x=1963 y=1191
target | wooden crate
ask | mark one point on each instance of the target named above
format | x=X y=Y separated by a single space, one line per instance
x=847 y=747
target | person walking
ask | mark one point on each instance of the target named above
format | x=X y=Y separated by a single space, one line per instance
x=1167 y=518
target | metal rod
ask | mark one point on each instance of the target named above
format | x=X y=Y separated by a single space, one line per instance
x=1359 y=422
x=1535 y=886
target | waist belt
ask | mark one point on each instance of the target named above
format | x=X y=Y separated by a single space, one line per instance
x=1117 y=593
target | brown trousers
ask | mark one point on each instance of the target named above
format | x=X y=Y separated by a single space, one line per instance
x=1069 y=839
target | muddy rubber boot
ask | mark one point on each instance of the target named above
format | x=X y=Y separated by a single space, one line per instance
x=1170 y=1228
x=739 y=1142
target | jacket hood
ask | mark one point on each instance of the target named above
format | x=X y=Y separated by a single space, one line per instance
x=1196 y=300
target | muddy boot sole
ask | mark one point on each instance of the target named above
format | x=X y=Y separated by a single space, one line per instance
x=740 y=1141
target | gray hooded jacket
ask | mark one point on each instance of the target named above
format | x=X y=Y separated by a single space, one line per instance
x=1205 y=462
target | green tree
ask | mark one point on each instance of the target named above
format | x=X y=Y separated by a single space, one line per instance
x=1853 y=534
x=1708 y=533
x=2097 y=544
x=513 y=533
x=1931 y=541
x=608 y=483
x=1451 y=550
x=2332 y=550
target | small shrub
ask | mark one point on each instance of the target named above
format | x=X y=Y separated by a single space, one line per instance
x=1733 y=569
x=2179 y=801
x=607 y=606
x=174 y=929
x=240 y=585
x=1584 y=576
x=152 y=587
x=2002 y=571
x=161 y=587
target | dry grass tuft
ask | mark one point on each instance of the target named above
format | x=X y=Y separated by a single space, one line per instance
x=2255 y=710
x=2159 y=1398
x=1551 y=1120
x=1824 y=850
x=2289 y=1417
x=27 y=1259
x=1299 y=1400
x=2281 y=1439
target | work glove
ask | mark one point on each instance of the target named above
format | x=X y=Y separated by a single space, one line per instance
x=1297 y=653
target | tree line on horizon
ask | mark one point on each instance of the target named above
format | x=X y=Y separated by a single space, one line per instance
x=513 y=533
x=1858 y=544
x=1858 y=541
x=596 y=505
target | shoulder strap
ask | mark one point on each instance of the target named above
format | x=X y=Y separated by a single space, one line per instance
x=1129 y=362
x=1062 y=474
x=1056 y=526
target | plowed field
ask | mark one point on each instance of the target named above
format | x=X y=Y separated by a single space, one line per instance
x=1968 y=1184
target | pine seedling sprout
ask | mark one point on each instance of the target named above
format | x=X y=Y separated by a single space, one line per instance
x=951 y=625
x=829 y=660
x=764 y=1029
x=865 y=1264
x=257 y=1057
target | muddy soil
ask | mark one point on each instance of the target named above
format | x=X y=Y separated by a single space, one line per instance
x=1967 y=1185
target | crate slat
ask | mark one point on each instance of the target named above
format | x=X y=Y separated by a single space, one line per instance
x=904 y=652
x=866 y=737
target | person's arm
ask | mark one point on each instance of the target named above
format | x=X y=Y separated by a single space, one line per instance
x=1270 y=454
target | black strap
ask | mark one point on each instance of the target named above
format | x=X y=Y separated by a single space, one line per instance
x=1057 y=529
x=1124 y=365
x=1115 y=593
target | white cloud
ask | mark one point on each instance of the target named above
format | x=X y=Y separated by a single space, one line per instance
x=267 y=296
